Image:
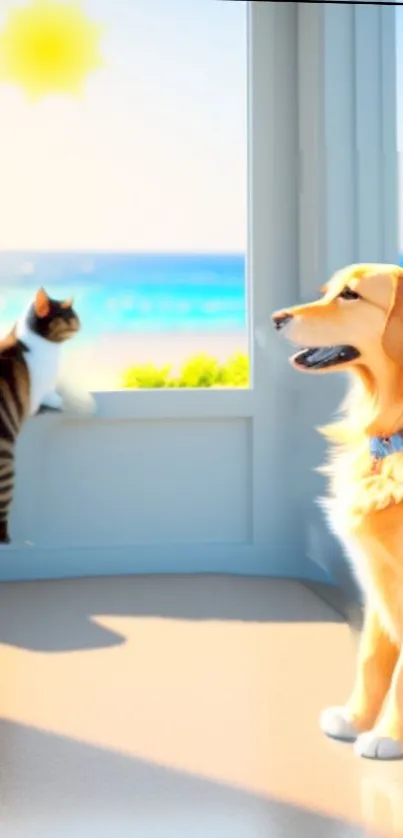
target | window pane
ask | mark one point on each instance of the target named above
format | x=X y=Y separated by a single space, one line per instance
x=130 y=193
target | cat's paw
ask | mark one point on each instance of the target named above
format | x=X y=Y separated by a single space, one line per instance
x=335 y=722
x=53 y=401
x=44 y=408
x=78 y=403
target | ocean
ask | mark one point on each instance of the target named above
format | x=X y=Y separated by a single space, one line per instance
x=124 y=293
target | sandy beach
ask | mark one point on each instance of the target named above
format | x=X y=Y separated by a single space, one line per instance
x=99 y=365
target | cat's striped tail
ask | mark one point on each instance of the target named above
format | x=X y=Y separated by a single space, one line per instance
x=13 y=409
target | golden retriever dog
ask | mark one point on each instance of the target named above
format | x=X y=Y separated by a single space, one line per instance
x=357 y=326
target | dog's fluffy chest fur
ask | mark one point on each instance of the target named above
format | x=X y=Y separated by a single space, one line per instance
x=357 y=492
x=358 y=508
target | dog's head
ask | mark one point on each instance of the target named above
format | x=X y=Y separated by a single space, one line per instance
x=358 y=320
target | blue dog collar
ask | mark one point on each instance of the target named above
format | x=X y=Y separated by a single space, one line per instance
x=381 y=446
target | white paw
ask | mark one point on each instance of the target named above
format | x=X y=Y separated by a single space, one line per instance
x=335 y=722
x=372 y=746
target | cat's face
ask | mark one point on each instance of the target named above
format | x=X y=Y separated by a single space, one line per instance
x=53 y=320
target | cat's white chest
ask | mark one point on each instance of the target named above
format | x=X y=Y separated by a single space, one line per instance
x=42 y=359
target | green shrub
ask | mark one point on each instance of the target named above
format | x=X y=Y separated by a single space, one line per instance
x=235 y=373
x=146 y=377
x=202 y=370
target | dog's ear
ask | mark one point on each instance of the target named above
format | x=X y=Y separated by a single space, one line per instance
x=392 y=339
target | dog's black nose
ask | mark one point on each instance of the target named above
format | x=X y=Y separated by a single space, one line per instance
x=280 y=319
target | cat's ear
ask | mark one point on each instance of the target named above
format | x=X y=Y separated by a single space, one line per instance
x=42 y=303
x=67 y=303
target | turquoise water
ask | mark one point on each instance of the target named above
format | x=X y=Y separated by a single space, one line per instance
x=132 y=292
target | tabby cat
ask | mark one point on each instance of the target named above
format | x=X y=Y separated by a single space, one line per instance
x=29 y=366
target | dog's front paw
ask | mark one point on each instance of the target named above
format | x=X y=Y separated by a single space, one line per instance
x=373 y=745
x=336 y=723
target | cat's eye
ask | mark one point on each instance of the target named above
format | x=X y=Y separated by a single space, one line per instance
x=348 y=294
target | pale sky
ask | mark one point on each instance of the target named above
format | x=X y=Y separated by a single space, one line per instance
x=153 y=157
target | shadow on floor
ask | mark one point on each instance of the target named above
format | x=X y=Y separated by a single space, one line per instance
x=345 y=600
x=57 y=616
x=57 y=786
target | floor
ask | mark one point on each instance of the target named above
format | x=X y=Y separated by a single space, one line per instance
x=162 y=707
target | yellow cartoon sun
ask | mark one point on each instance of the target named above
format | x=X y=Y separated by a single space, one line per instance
x=48 y=47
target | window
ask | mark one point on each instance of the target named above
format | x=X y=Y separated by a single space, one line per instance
x=130 y=194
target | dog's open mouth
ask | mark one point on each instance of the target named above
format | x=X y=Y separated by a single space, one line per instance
x=322 y=357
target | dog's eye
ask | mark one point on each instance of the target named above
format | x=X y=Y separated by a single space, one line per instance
x=348 y=294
